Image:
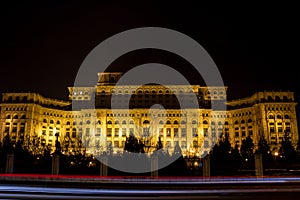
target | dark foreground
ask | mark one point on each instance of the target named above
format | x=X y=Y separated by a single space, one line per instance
x=76 y=187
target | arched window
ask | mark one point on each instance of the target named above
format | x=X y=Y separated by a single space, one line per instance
x=8 y=117
x=98 y=122
x=146 y=122
x=58 y=122
x=271 y=116
x=205 y=122
x=131 y=122
x=286 y=116
x=226 y=123
x=219 y=123
x=117 y=122
x=213 y=123
x=74 y=123
x=52 y=122
x=109 y=122
x=16 y=117
x=249 y=120
x=194 y=122
x=243 y=122
x=123 y=122
x=175 y=122
x=278 y=116
x=23 y=117
x=161 y=122
x=45 y=120
x=270 y=98
x=236 y=122
x=168 y=122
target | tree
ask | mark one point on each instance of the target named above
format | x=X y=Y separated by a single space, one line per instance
x=287 y=149
x=7 y=144
x=247 y=149
x=264 y=149
x=178 y=166
x=132 y=144
x=221 y=157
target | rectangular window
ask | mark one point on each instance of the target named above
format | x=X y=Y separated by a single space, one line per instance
x=161 y=132
x=243 y=133
x=146 y=132
x=195 y=143
x=109 y=131
x=168 y=132
x=87 y=132
x=175 y=132
x=183 y=144
x=116 y=143
x=237 y=134
x=213 y=134
x=220 y=130
x=272 y=130
x=280 y=129
x=195 y=132
x=6 y=129
x=131 y=131
x=250 y=132
x=117 y=130
x=168 y=144
x=123 y=132
x=183 y=132
x=206 y=144
x=205 y=132
x=74 y=134
x=122 y=144
x=22 y=129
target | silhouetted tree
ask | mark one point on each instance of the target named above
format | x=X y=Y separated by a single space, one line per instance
x=265 y=150
x=247 y=148
x=287 y=150
x=221 y=158
x=132 y=144
x=24 y=160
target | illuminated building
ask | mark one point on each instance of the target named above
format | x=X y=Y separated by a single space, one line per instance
x=88 y=116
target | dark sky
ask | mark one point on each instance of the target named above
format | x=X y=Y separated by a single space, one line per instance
x=42 y=45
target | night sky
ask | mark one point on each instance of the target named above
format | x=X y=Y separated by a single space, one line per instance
x=42 y=45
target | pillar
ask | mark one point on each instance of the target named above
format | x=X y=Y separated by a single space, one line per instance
x=103 y=166
x=258 y=164
x=206 y=166
x=10 y=163
x=154 y=166
x=55 y=164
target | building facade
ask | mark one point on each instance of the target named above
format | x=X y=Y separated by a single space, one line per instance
x=101 y=117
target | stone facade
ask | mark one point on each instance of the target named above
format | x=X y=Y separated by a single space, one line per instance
x=98 y=117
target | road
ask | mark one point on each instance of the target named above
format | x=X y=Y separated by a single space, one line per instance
x=162 y=188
